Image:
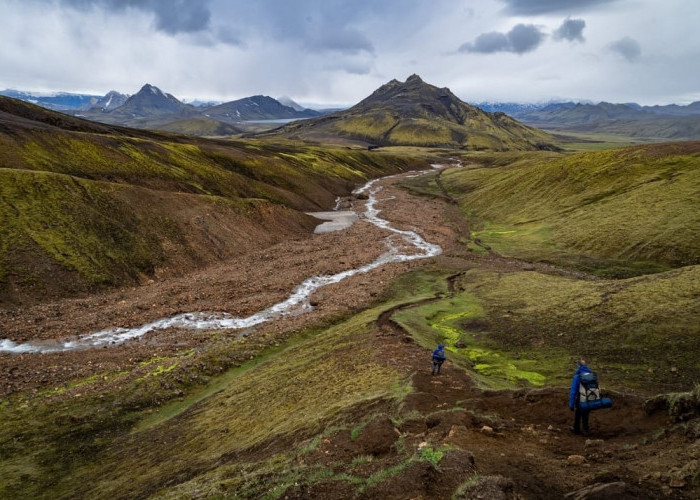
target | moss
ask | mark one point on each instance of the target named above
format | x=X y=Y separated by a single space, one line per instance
x=76 y=223
x=447 y=321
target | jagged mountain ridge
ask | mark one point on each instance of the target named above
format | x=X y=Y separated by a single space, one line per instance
x=419 y=114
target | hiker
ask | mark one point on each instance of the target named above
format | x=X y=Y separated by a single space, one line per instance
x=438 y=359
x=580 y=416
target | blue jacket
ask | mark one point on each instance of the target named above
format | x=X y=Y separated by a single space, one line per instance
x=439 y=354
x=573 y=392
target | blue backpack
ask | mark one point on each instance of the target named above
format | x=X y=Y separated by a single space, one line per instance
x=589 y=393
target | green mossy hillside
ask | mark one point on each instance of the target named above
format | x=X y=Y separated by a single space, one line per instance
x=62 y=235
x=618 y=212
x=302 y=177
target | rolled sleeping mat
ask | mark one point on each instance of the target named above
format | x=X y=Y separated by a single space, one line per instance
x=598 y=404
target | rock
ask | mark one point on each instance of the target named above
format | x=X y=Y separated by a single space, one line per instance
x=456 y=431
x=676 y=482
x=528 y=267
x=594 y=443
x=487 y=430
x=422 y=445
x=575 y=459
x=460 y=344
x=602 y=491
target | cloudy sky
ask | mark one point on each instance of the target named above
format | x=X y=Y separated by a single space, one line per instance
x=334 y=52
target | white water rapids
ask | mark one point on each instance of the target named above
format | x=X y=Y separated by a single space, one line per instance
x=296 y=303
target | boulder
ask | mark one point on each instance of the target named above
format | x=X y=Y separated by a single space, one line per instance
x=487 y=430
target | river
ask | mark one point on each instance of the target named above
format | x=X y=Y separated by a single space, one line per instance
x=296 y=303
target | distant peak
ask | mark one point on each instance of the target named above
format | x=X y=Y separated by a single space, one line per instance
x=414 y=79
x=151 y=88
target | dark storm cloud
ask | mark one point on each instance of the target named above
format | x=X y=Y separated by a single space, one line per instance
x=171 y=16
x=627 y=47
x=522 y=38
x=537 y=7
x=571 y=30
x=332 y=25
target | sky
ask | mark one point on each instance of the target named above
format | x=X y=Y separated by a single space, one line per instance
x=336 y=52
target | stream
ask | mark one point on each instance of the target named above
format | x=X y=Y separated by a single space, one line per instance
x=402 y=246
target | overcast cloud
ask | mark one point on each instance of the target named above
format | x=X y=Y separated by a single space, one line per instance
x=338 y=51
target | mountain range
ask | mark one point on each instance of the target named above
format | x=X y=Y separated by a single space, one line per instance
x=56 y=101
x=153 y=108
x=651 y=122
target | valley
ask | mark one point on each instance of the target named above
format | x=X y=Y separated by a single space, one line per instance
x=364 y=416
x=518 y=256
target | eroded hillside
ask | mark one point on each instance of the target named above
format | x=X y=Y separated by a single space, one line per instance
x=88 y=206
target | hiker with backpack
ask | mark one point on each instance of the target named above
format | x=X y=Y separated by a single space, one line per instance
x=584 y=397
x=438 y=359
x=578 y=394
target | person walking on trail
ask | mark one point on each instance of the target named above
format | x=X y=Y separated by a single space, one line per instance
x=438 y=359
x=580 y=416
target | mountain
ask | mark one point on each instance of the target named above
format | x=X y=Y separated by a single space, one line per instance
x=112 y=100
x=258 y=107
x=419 y=114
x=151 y=101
